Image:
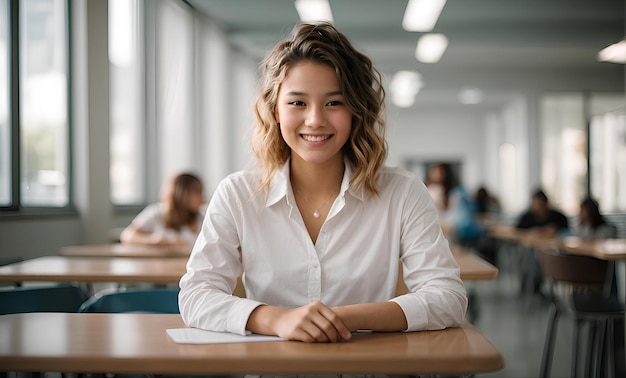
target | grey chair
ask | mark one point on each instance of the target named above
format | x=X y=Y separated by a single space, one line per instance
x=580 y=288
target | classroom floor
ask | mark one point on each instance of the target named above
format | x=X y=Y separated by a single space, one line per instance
x=516 y=324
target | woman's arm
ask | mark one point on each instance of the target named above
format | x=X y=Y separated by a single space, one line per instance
x=382 y=317
x=314 y=322
x=135 y=235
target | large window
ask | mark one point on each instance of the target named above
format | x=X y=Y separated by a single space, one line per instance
x=5 y=133
x=564 y=155
x=584 y=150
x=607 y=153
x=127 y=76
x=34 y=124
x=43 y=103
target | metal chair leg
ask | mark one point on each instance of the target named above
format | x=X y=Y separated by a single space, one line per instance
x=576 y=347
x=598 y=343
x=610 y=349
x=548 y=346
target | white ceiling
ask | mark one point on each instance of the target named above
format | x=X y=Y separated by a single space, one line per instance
x=502 y=46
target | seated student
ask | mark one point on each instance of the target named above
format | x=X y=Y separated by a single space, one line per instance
x=591 y=224
x=486 y=203
x=456 y=210
x=176 y=220
x=543 y=219
x=319 y=230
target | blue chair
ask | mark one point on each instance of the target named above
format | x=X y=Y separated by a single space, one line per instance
x=161 y=301
x=58 y=298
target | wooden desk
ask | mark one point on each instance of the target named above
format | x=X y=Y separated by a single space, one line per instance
x=472 y=267
x=156 y=270
x=137 y=343
x=125 y=250
x=95 y=269
x=605 y=249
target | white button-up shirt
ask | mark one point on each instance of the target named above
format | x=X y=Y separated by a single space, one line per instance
x=355 y=259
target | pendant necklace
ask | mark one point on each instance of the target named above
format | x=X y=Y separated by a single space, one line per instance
x=316 y=213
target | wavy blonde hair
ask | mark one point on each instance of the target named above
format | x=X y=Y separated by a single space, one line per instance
x=360 y=82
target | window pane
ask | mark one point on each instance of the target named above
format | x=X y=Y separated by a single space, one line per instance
x=608 y=159
x=5 y=135
x=43 y=103
x=126 y=101
x=564 y=155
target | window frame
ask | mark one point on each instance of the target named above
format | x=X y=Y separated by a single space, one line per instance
x=15 y=208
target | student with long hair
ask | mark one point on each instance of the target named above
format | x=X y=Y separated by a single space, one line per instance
x=319 y=230
x=591 y=224
x=175 y=220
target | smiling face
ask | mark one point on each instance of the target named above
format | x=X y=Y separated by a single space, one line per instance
x=314 y=119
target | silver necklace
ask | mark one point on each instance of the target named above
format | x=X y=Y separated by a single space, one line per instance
x=316 y=213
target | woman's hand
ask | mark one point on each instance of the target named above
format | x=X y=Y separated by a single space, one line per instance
x=314 y=322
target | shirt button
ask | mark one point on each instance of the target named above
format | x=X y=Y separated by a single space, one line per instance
x=315 y=265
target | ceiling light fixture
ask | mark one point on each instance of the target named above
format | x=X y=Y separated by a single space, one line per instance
x=471 y=95
x=615 y=53
x=422 y=15
x=314 y=10
x=430 y=47
x=404 y=86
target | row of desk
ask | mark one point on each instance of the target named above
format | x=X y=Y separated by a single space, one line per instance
x=605 y=249
x=137 y=343
x=130 y=264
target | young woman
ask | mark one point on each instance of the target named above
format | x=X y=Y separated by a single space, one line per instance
x=591 y=223
x=319 y=231
x=176 y=220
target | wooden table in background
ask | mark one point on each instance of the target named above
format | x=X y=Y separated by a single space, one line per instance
x=164 y=270
x=137 y=343
x=605 y=249
x=95 y=269
x=473 y=268
x=125 y=250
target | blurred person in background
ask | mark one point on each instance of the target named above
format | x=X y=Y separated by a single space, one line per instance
x=175 y=220
x=542 y=219
x=457 y=211
x=591 y=224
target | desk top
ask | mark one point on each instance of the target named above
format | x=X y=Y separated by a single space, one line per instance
x=125 y=250
x=95 y=269
x=605 y=249
x=158 y=269
x=473 y=267
x=137 y=343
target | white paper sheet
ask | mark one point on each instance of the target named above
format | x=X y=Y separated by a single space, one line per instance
x=200 y=336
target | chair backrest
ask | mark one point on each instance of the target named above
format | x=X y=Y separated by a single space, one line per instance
x=573 y=269
x=60 y=298
x=162 y=301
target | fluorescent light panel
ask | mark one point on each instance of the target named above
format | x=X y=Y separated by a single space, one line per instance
x=471 y=95
x=615 y=53
x=404 y=86
x=430 y=47
x=314 y=10
x=422 y=15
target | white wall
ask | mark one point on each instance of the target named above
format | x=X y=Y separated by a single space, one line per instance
x=423 y=134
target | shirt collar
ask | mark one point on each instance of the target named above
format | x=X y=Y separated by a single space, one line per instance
x=280 y=186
